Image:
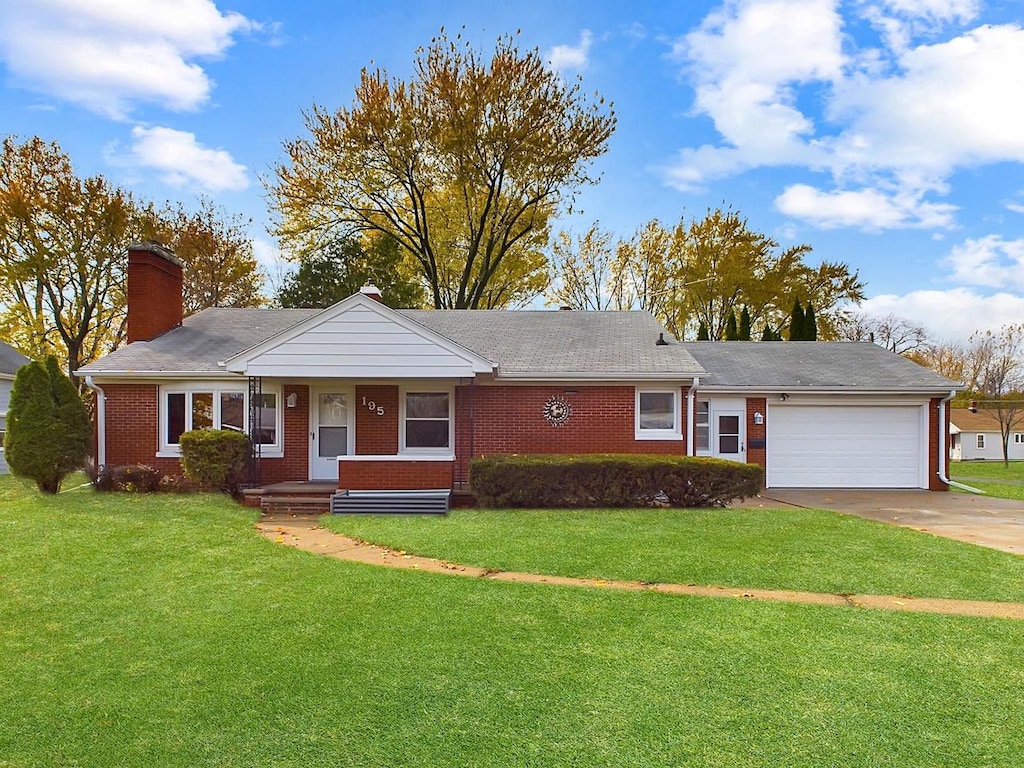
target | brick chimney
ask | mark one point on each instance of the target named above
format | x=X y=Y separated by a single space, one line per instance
x=371 y=291
x=154 y=291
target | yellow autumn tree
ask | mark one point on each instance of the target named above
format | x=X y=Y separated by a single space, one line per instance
x=465 y=164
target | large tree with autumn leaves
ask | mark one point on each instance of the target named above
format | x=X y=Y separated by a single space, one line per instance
x=464 y=164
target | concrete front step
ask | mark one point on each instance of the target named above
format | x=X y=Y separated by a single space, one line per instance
x=301 y=505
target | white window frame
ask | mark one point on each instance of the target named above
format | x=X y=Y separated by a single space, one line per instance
x=448 y=451
x=216 y=388
x=1018 y=438
x=676 y=433
x=979 y=442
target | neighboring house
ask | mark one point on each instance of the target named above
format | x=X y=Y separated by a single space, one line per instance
x=10 y=361
x=381 y=399
x=977 y=436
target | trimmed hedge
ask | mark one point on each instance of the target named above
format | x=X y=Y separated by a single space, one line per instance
x=611 y=480
x=215 y=459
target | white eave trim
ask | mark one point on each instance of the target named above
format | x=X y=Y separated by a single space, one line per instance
x=158 y=375
x=777 y=390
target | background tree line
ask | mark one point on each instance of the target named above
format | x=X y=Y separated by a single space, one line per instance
x=63 y=244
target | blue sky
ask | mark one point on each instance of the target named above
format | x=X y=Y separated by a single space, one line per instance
x=888 y=134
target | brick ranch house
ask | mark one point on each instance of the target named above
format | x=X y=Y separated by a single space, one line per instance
x=379 y=399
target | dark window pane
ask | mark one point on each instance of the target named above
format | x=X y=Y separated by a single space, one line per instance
x=703 y=441
x=333 y=442
x=267 y=432
x=202 y=410
x=729 y=425
x=728 y=444
x=426 y=405
x=232 y=411
x=429 y=433
x=175 y=417
x=657 y=410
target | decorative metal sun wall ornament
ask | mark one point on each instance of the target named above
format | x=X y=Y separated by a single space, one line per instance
x=557 y=411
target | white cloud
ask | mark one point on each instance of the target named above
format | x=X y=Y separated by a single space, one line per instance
x=869 y=209
x=183 y=161
x=989 y=261
x=110 y=54
x=746 y=61
x=948 y=107
x=785 y=87
x=951 y=315
x=566 y=57
x=268 y=255
x=900 y=21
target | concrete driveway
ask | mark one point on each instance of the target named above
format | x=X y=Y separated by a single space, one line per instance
x=996 y=523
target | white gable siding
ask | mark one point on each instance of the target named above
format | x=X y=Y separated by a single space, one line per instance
x=360 y=342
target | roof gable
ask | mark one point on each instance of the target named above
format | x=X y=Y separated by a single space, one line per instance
x=359 y=337
x=10 y=360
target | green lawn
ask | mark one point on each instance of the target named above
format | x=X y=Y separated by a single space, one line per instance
x=993 y=477
x=163 y=631
x=800 y=549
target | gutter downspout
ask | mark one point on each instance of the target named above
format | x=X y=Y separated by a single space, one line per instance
x=101 y=421
x=944 y=448
x=690 y=447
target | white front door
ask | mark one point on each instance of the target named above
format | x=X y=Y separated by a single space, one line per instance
x=331 y=432
x=728 y=439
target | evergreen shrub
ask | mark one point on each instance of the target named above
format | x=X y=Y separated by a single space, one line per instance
x=48 y=429
x=611 y=480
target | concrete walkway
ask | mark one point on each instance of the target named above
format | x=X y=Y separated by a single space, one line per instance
x=304 y=532
x=990 y=522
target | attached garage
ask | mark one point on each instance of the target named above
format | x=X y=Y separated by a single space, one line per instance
x=846 y=446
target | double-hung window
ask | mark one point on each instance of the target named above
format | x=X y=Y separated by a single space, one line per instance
x=658 y=414
x=427 y=421
x=980 y=442
x=187 y=407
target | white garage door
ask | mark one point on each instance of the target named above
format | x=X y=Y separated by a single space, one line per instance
x=844 y=447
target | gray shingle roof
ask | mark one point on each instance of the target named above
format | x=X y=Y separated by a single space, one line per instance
x=202 y=341
x=551 y=342
x=520 y=342
x=852 y=365
x=10 y=359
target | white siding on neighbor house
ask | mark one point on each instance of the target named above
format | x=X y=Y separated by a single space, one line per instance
x=834 y=446
x=993 y=450
x=360 y=343
x=5 y=400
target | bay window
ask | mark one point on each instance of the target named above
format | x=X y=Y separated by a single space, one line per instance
x=215 y=406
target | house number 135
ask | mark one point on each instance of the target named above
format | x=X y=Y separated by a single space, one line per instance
x=371 y=405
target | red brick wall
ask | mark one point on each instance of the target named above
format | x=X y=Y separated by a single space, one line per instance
x=132 y=427
x=394 y=475
x=154 y=295
x=511 y=420
x=755 y=432
x=295 y=464
x=934 y=483
x=133 y=438
x=377 y=434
